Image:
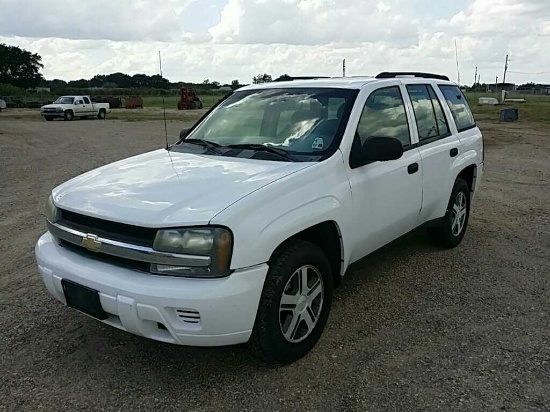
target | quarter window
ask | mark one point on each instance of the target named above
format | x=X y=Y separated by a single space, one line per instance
x=460 y=109
x=384 y=116
x=86 y=100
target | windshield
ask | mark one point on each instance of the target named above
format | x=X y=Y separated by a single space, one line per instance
x=302 y=121
x=65 y=100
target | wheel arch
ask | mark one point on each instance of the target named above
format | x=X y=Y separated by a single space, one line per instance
x=328 y=237
x=469 y=174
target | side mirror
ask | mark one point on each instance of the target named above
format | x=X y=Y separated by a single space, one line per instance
x=184 y=132
x=380 y=149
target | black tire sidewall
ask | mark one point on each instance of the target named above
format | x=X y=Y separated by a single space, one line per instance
x=267 y=329
x=459 y=186
x=68 y=115
x=101 y=114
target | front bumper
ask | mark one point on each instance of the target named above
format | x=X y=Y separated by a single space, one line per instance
x=161 y=308
x=56 y=113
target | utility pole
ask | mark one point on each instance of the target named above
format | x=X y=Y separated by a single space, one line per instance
x=504 y=79
x=505 y=70
x=457 y=66
x=496 y=85
x=344 y=68
x=475 y=78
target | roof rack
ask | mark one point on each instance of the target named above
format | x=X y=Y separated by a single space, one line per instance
x=391 y=75
x=289 y=79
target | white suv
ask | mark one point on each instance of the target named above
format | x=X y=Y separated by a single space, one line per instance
x=240 y=231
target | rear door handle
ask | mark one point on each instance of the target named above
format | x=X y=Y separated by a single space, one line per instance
x=453 y=152
x=413 y=168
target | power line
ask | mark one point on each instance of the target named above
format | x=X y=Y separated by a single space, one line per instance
x=510 y=71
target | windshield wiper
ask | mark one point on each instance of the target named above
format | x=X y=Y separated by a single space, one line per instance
x=204 y=143
x=262 y=148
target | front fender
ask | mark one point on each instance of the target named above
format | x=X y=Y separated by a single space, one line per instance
x=263 y=220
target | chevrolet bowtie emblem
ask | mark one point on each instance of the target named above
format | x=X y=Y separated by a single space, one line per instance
x=91 y=243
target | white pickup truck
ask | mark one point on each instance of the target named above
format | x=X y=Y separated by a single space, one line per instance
x=69 y=107
x=240 y=231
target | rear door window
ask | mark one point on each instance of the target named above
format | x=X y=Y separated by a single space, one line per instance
x=460 y=109
x=430 y=119
x=86 y=100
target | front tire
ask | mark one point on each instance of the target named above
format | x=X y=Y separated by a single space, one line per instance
x=295 y=304
x=451 y=229
x=68 y=115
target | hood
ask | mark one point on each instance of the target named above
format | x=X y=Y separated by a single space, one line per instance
x=162 y=189
x=54 y=106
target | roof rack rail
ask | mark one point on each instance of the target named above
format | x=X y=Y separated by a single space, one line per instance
x=391 y=75
x=289 y=79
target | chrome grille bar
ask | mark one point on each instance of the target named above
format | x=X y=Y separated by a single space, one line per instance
x=126 y=250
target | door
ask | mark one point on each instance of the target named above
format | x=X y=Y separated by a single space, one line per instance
x=88 y=107
x=79 y=107
x=387 y=196
x=438 y=148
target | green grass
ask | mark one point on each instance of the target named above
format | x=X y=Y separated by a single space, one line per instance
x=535 y=109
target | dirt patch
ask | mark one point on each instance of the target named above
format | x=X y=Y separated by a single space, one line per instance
x=413 y=327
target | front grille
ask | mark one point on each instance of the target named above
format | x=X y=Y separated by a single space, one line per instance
x=115 y=260
x=122 y=232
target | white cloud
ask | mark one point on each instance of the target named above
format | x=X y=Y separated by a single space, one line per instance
x=316 y=22
x=117 y=20
x=298 y=37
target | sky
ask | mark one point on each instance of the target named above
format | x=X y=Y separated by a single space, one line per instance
x=236 y=39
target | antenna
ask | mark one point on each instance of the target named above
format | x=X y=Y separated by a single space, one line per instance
x=457 y=67
x=163 y=105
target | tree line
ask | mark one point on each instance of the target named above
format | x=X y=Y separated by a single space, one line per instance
x=20 y=68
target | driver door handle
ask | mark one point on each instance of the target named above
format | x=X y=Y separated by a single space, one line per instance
x=413 y=168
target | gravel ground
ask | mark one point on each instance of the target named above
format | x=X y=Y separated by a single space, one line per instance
x=413 y=327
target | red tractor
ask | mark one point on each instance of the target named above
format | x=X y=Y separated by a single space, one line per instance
x=189 y=100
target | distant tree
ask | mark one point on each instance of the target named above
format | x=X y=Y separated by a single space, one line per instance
x=55 y=85
x=262 y=78
x=159 y=82
x=216 y=84
x=207 y=81
x=19 y=67
x=58 y=84
x=79 y=84
x=235 y=84
x=283 y=77
x=97 y=80
x=120 y=79
x=141 y=80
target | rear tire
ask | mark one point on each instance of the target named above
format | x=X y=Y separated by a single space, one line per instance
x=48 y=118
x=450 y=231
x=295 y=304
x=68 y=115
x=101 y=114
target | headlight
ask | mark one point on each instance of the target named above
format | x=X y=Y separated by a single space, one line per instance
x=214 y=242
x=52 y=214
